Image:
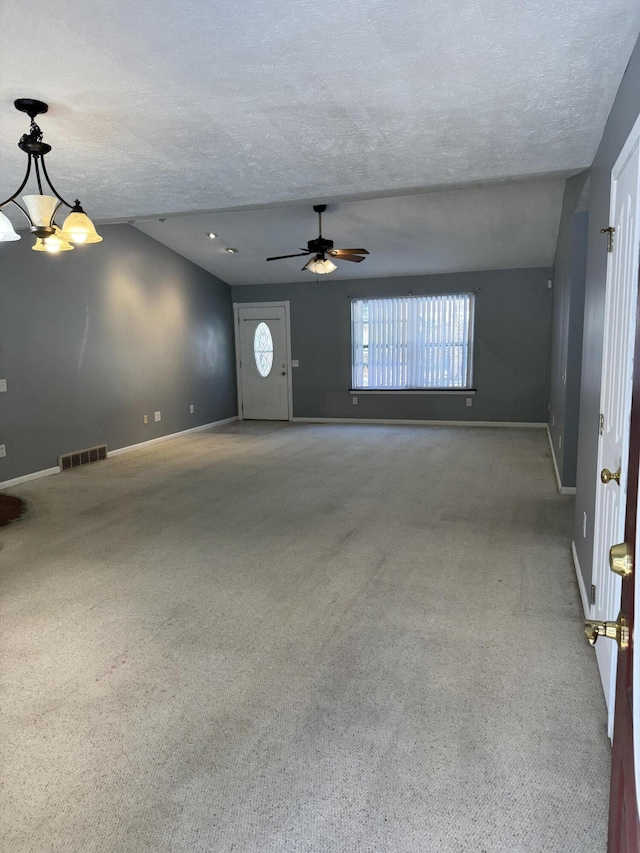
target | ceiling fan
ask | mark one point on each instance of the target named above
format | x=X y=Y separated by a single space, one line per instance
x=321 y=247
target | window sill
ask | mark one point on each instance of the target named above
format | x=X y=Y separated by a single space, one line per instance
x=447 y=392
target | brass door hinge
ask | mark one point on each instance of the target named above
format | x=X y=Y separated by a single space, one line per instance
x=610 y=231
x=592 y=597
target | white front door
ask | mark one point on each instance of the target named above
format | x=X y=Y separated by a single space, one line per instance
x=615 y=401
x=263 y=361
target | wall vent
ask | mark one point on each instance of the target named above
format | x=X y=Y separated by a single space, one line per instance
x=82 y=457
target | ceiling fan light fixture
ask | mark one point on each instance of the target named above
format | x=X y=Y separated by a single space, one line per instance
x=320 y=248
x=7 y=231
x=320 y=266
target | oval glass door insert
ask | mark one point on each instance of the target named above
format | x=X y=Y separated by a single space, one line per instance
x=263 y=349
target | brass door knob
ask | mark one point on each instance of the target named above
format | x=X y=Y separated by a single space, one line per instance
x=621 y=559
x=607 y=476
x=618 y=631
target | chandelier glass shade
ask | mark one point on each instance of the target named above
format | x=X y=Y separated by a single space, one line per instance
x=41 y=209
x=53 y=244
x=7 y=232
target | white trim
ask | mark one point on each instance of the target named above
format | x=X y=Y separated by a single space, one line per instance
x=398 y=421
x=555 y=461
x=563 y=490
x=36 y=475
x=627 y=149
x=284 y=303
x=588 y=608
x=119 y=450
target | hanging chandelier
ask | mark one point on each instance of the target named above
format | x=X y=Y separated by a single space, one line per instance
x=40 y=209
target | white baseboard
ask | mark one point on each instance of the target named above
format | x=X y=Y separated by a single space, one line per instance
x=36 y=475
x=555 y=461
x=131 y=447
x=398 y=421
x=583 y=590
x=564 y=490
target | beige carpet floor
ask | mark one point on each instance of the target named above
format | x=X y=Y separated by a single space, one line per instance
x=300 y=638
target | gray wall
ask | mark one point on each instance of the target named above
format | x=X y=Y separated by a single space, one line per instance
x=568 y=317
x=622 y=117
x=91 y=340
x=511 y=352
x=579 y=234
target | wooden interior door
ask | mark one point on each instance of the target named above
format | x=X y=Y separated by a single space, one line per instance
x=624 y=829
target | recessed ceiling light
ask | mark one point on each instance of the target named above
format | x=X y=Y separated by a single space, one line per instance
x=211 y=235
x=231 y=251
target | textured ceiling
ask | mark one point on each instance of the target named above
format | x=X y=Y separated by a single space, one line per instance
x=192 y=105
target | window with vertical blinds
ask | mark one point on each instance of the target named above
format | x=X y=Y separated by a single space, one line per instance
x=412 y=342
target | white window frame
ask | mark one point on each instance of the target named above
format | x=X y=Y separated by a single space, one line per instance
x=404 y=303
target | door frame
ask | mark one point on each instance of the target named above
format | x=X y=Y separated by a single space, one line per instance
x=287 y=338
x=597 y=570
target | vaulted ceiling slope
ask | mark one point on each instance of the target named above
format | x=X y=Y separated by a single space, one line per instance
x=500 y=226
x=160 y=107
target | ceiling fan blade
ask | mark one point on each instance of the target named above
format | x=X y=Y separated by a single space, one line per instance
x=337 y=252
x=281 y=257
x=355 y=258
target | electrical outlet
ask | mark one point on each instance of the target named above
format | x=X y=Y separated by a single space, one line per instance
x=354 y=400
x=3 y=450
x=192 y=409
x=145 y=419
x=3 y=385
x=157 y=416
x=295 y=362
x=469 y=401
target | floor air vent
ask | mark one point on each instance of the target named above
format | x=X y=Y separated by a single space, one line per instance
x=82 y=457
